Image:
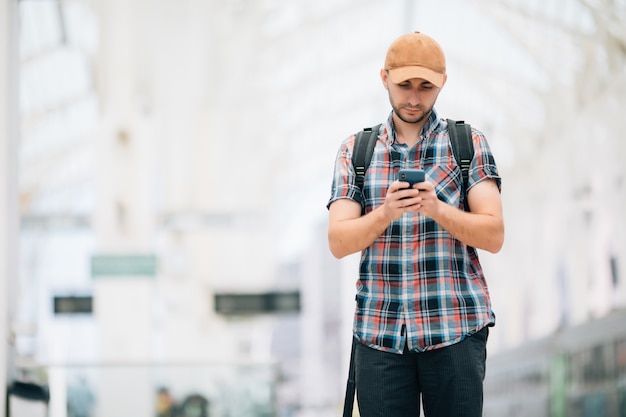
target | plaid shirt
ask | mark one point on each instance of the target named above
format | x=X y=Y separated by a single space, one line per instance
x=417 y=283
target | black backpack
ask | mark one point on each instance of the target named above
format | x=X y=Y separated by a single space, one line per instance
x=460 y=139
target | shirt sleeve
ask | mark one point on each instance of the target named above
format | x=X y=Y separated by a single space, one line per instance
x=483 y=164
x=344 y=177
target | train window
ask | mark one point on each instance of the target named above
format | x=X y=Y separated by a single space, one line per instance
x=620 y=357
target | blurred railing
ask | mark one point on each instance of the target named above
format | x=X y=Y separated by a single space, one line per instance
x=159 y=390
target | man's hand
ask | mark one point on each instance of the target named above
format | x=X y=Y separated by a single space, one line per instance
x=400 y=199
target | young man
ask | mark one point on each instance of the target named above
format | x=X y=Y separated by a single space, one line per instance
x=422 y=305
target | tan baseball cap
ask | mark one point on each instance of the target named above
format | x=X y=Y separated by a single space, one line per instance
x=416 y=55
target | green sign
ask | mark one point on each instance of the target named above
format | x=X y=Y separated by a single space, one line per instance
x=123 y=265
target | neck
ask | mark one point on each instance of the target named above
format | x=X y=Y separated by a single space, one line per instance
x=408 y=133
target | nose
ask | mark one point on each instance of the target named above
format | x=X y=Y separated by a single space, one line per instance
x=414 y=97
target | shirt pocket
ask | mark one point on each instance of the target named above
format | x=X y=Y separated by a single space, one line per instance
x=447 y=180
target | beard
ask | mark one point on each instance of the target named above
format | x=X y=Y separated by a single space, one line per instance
x=410 y=119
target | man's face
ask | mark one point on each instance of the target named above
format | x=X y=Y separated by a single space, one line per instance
x=412 y=100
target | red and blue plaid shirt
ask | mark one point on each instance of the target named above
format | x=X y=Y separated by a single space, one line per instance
x=417 y=284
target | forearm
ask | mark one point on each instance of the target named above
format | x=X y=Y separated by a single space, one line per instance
x=351 y=235
x=482 y=231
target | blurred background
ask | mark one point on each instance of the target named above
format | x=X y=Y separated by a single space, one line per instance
x=165 y=169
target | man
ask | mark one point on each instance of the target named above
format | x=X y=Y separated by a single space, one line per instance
x=422 y=305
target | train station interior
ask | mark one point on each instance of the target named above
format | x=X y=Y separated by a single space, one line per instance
x=165 y=170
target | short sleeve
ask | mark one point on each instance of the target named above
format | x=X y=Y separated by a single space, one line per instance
x=483 y=164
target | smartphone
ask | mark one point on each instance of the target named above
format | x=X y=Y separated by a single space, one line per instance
x=412 y=176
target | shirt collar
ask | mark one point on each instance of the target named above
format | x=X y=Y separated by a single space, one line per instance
x=430 y=125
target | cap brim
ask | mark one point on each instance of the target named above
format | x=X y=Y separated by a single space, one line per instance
x=399 y=75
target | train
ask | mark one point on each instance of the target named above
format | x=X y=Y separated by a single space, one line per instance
x=579 y=371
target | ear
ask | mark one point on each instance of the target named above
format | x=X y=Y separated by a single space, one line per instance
x=384 y=76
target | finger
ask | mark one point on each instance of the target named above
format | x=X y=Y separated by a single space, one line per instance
x=394 y=186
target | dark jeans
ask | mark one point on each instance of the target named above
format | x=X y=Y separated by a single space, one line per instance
x=449 y=380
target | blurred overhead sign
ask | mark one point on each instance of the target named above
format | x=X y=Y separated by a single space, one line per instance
x=257 y=303
x=123 y=265
x=73 y=304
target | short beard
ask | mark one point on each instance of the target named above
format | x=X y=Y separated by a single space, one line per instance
x=412 y=121
x=396 y=111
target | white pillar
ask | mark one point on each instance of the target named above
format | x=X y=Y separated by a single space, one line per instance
x=8 y=184
x=123 y=220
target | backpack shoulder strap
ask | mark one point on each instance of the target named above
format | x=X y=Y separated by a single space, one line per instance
x=463 y=149
x=364 y=144
x=348 y=403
